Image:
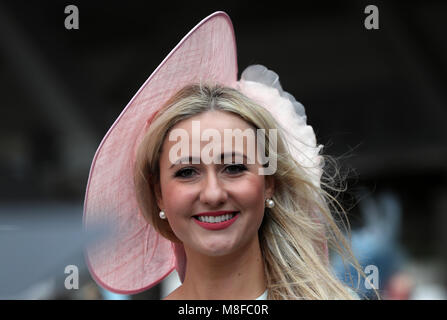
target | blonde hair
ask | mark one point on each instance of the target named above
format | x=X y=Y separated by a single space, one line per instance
x=293 y=233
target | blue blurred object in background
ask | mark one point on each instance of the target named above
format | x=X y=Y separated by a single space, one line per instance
x=109 y=295
x=376 y=243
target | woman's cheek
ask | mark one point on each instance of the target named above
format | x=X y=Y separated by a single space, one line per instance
x=178 y=197
x=252 y=189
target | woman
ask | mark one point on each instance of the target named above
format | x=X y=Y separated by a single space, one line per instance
x=256 y=225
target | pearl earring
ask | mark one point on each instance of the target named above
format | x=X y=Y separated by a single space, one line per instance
x=162 y=215
x=269 y=203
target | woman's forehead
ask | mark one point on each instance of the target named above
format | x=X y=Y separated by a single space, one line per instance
x=232 y=146
x=214 y=137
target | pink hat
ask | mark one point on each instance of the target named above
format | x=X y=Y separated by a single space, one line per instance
x=137 y=257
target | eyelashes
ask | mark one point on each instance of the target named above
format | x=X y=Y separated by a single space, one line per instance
x=183 y=173
x=237 y=167
x=190 y=172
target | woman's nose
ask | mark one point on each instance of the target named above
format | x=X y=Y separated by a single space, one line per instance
x=213 y=192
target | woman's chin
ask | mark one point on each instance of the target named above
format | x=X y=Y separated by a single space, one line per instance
x=217 y=249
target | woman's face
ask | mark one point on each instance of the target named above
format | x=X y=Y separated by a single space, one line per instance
x=231 y=197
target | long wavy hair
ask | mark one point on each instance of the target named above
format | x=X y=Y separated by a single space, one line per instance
x=294 y=233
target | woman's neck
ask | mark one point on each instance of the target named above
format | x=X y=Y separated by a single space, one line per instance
x=236 y=276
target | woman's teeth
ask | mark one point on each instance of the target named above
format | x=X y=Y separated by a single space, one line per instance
x=216 y=219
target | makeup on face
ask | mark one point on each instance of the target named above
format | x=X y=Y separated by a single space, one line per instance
x=213 y=208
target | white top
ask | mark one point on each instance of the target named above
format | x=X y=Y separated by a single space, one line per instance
x=262 y=296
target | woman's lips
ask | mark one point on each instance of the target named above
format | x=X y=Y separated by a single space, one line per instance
x=215 y=213
x=216 y=225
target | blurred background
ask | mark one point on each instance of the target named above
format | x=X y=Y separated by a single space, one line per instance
x=376 y=98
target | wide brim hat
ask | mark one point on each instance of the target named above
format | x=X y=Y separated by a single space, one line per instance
x=136 y=257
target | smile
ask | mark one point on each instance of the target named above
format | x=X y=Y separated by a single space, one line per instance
x=216 y=220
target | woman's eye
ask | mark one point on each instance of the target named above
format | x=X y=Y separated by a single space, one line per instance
x=190 y=172
x=234 y=169
x=184 y=173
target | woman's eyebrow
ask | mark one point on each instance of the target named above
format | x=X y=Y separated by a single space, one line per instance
x=232 y=154
x=189 y=159
x=196 y=160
